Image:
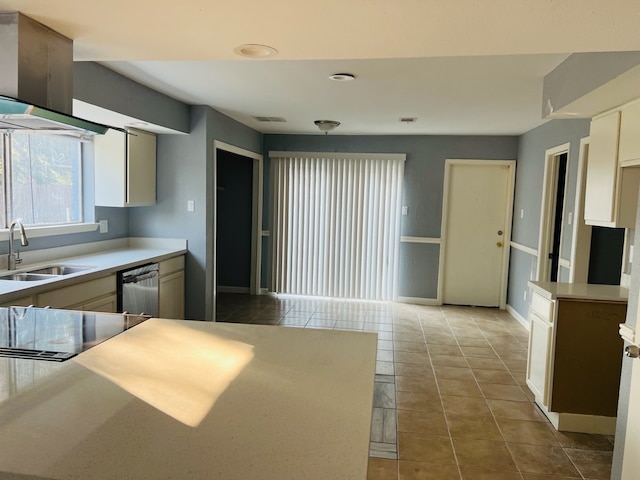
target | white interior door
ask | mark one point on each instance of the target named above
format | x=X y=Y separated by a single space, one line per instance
x=476 y=228
x=631 y=459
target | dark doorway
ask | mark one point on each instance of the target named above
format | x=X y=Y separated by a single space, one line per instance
x=605 y=259
x=233 y=221
x=556 y=246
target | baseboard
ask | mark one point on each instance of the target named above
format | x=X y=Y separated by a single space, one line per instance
x=419 y=300
x=576 y=422
x=223 y=289
x=523 y=321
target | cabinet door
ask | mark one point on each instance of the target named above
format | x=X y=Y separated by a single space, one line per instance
x=171 y=293
x=105 y=304
x=19 y=302
x=629 y=151
x=602 y=171
x=539 y=364
x=110 y=168
x=141 y=174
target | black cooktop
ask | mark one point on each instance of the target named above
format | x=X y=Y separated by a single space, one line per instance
x=57 y=335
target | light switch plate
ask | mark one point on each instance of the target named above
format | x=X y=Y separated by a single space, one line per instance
x=191 y=205
x=405 y=210
x=104 y=226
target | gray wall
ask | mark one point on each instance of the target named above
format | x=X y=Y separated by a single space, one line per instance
x=97 y=85
x=528 y=197
x=582 y=73
x=422 y=192
x=186 y=171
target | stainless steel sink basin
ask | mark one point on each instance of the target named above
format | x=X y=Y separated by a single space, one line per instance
x=59 y=270
x=26 y=277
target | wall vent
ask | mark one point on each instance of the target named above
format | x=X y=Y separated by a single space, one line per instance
x=408 y=119
x=270 y=119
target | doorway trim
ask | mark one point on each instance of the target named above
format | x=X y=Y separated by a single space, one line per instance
x=547 y=210
x=511 y=164
x=256 y=213
x=581 y=241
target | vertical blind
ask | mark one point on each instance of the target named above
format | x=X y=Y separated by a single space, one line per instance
x=336 y=224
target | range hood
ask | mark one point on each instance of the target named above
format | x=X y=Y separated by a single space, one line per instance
x=16 y=115
x=36 y=79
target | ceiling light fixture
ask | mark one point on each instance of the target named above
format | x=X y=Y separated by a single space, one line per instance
x=342 y=77
x=326 y=125
x=254 y=50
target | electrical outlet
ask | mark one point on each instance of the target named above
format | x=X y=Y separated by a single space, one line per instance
x=525 y=295
x=104 y=226
x=191 y=205
x=522 y=213
x=405 y=210
x=570 y=218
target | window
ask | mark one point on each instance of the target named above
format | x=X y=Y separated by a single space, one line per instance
x=41 y=179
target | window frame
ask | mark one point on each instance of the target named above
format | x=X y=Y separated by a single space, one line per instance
x=6 y=193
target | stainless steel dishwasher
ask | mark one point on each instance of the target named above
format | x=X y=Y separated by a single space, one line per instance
x=138 y=290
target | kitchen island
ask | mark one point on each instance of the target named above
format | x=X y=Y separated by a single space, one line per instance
x=575 y=353
x=173 y=399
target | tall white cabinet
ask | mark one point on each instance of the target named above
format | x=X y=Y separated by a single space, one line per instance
x=125 y=168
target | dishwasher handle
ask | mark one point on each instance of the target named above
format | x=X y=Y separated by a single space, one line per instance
x=137 y=278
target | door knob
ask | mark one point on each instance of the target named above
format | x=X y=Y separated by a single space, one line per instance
x=632 y=351
x=499 y=244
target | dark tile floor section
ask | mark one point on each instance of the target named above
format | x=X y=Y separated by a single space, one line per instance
x=450 y=397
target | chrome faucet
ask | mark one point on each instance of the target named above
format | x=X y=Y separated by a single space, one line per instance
x=14 y=258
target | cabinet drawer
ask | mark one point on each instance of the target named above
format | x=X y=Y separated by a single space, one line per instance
x=542 y=307
x=78 y=294
x=171 y=265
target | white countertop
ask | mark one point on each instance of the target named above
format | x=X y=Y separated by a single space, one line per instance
x=122 y=254
x=173 y=399
x=581 y=291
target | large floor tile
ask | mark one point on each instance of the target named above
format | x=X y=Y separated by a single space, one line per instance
x=418 y=401
x=449 y=360
x=425 y=448
x=413 y=369
x=425 y=384
x=523 y=431
x=592 y=464
x=458 y=387
x=422 y=422
x=382 y=469
x=542 y=460
x=455 y=405
x=484 y=454
x=515 y=410
x=473 y=473
x=471 y=426
x=427 y=471
x=454 y=373
x=503 y=392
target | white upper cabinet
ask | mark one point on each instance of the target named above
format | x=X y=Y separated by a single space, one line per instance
x=629 y=150
x=611 y=193
x=125 y=168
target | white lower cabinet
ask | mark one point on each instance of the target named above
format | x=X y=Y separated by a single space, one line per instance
x=100 y=292
x=171 y=288
x=19 y=302
x=540 y=355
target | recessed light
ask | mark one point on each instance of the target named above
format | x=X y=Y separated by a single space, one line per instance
x=342 y=77
x=408 y=119
x=254 y=50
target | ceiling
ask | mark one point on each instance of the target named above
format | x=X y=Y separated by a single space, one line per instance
x=463 y=67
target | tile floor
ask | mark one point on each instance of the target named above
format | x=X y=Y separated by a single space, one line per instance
x=450 y=398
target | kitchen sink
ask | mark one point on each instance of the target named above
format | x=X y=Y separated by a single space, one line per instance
x=44 y=273
x=59 y=270
x=26 y=277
